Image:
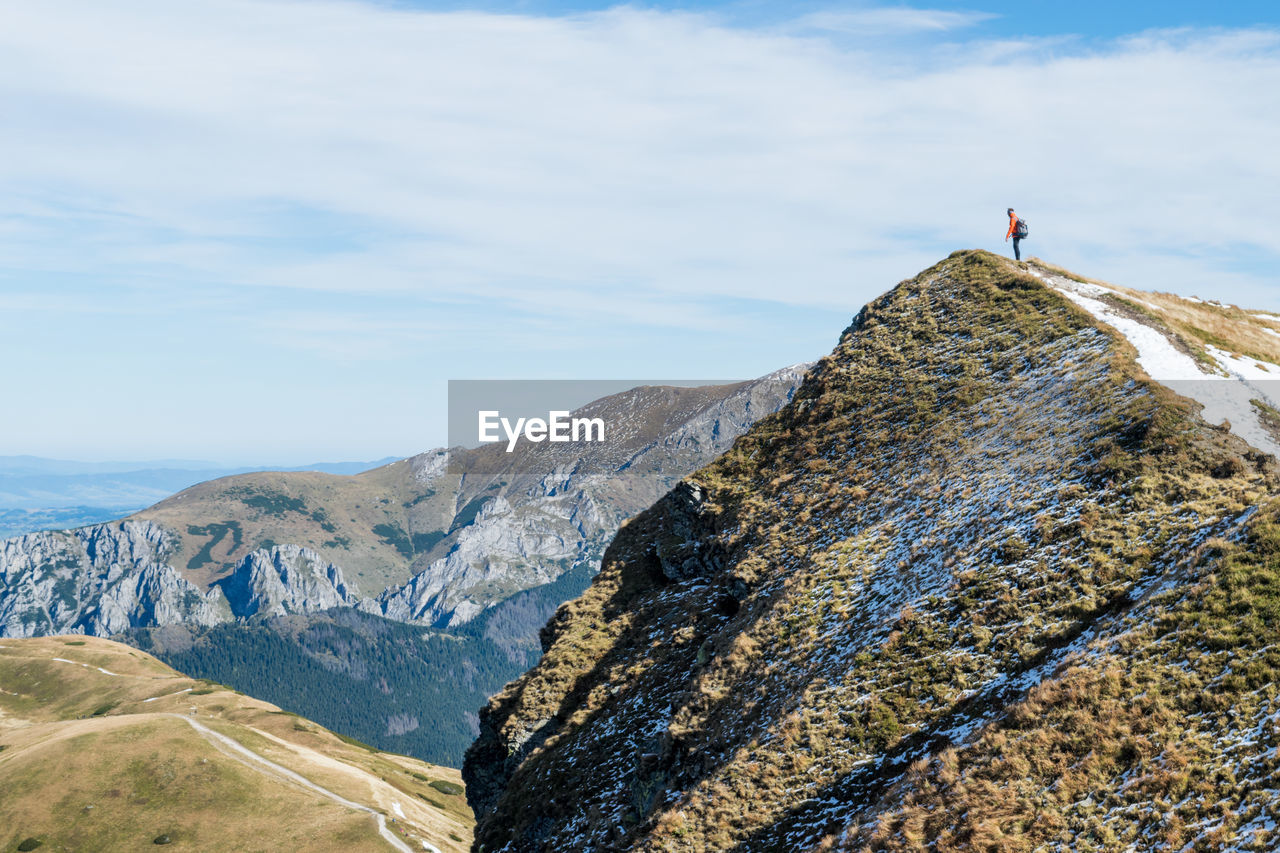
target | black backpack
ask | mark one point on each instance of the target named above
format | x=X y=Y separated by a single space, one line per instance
x=1020 y=230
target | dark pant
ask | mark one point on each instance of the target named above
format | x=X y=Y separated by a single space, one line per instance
x=1017 y=253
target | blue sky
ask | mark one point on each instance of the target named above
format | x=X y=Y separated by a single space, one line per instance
x=263 y=231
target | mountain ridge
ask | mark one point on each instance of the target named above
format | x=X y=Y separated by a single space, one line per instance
x=432 y=539
x=965 y=509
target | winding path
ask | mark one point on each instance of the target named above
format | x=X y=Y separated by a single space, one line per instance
x=251 y=759
x=239 y=752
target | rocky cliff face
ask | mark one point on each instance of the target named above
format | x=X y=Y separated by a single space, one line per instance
x=983 y=584
x=97 y=580
x=105 y=579
x=557 y=507
x=287 y=579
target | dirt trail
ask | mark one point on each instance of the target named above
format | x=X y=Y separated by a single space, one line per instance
x=251 y=759
x=229 y=747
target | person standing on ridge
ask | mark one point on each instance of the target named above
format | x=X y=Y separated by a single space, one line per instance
x=1017 y=230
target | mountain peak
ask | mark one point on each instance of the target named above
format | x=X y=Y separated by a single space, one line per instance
x=976 y=509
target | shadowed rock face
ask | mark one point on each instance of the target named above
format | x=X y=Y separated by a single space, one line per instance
x=963 y=592
x=462 y=529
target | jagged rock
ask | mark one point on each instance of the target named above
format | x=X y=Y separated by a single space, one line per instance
x=97 y=580
x=285 y=579
x=428 y=466
x=546 y=523
x=505 y=546
x=106 y=579
x=530 y=517
x=688 y=547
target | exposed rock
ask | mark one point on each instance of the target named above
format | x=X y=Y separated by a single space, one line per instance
x=560 y=507
x=97 y=580
x=285 y=579
x=108 y=578
x=475 y=527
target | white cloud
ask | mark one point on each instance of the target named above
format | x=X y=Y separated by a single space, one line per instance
x=626 y=150
x=888 y=21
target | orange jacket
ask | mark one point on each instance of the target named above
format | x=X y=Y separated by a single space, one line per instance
x=1013 y=223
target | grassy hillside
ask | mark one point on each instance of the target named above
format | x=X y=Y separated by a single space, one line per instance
x=982 y=585
x=359 y=522
x=105 y=748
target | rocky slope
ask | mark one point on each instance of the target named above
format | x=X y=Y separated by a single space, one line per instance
x=105 y=748
x=432 y=540
x=983 y=584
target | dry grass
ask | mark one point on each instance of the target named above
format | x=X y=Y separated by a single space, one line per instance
x=938 y=508
x=1163 y=736
x=74 y=736
x=1228 y=327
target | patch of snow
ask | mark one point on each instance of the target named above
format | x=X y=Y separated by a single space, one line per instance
x=86 y=666
x=1156 y=353
x=395 y=807
x=1226 y=397
x=1245 y=369
x=1090 y=289
x=167 y=695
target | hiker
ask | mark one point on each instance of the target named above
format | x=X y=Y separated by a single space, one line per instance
x=1017 y=230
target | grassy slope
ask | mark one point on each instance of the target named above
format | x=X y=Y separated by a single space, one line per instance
x=977 y=485
x=360 y=674
x=86 y=763
x=221 y=521
x=1162 y=736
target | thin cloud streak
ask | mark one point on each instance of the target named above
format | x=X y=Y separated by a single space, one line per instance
x=887 y=21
